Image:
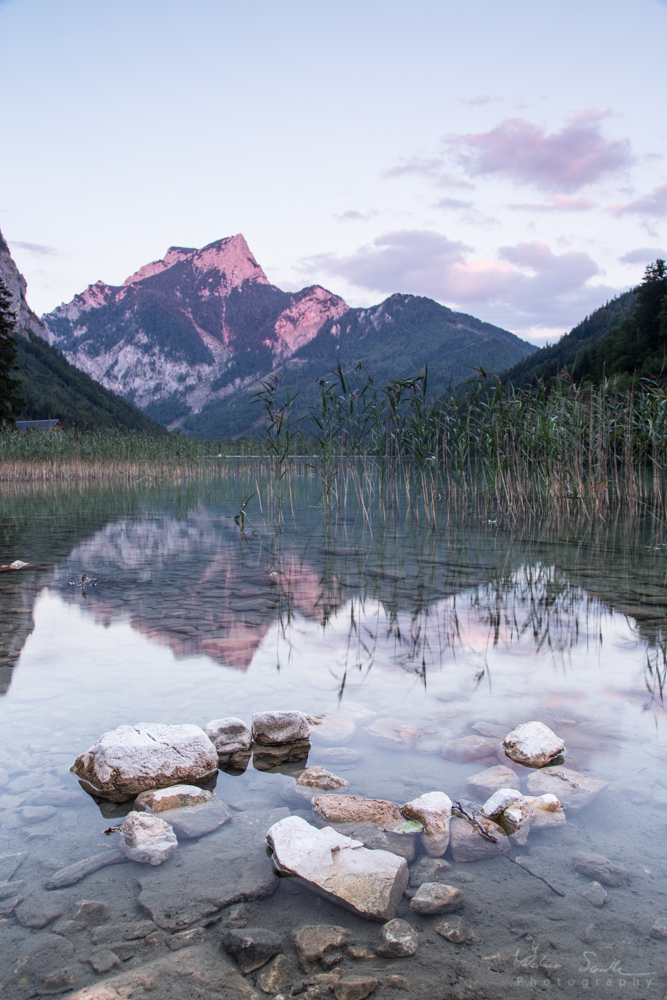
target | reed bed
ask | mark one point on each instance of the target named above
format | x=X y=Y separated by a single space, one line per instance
x=484 y=448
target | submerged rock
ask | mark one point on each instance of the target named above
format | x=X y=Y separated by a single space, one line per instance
x=275 y=728
x=340 y=756
x=265 y=756
x=393 y=734
x=397 y=939
x=518 y=814
x=573 y=789
x=231 y=866
x=468 y=844
x=370 y=883
x=428 y=869
x=433 y=810
x=454 y=929
x=355 y=987
x=251 y=948
x=74 y=873
x=601 y=869
x=275 y=974
x=533 y=744
x=434 y=897
x=133 y=759
x=470 y=748
x=158 y=800
x=146 y=838
x=334 y=729
x=377 y=839
x=319 y=778
x=595 y=895
x=320 y=944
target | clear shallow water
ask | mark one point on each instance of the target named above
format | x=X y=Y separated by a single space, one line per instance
x=350 y=616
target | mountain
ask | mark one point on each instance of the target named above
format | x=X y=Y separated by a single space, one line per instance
x=189 y=328
x=187 y=337
x=50 y=385
x=395 y=339
x=548 y=361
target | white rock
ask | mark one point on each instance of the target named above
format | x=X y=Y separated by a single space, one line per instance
x=545 y=811
x=133 y=759
x=370 y=883
x=434 y=811
x=533 y=744
x=229 y=735
x=146 y=838
x=500 y=801
x=279 y=727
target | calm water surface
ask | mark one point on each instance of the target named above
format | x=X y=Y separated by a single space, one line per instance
x=355 y=616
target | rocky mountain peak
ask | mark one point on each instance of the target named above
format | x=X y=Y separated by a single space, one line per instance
x=16 y=285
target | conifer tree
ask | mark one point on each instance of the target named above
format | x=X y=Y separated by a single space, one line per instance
x=11 y=400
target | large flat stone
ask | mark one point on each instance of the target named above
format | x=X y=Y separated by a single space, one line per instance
x=370 y=883
x=228 y=866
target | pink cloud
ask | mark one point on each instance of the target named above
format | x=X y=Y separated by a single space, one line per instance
x=653 y=204
x=476 y=102
x=526 y=285
x=561 y=161
x=557 y=203
x=352 y=215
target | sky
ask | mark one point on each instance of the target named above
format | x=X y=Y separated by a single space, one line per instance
x=505 y=159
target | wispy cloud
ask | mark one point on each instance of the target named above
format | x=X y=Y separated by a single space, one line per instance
x=36 y=248
x=524 y=153
x=481 y=99
x=434 y=169
x=653 y=204
x=526 y=285
x=556 y=203
x=352 y=215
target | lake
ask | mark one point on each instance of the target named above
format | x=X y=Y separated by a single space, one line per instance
x=407 y=633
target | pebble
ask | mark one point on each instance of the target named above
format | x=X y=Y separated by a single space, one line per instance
x=491 y=729
x=105 y=961
x=251 y=949
x=319 y=777
x=433 y=897
x=397 y=983
x=428 y=869
x=186 y=939
x=275 y=974
x=59 y=980
x=74 y=873
x=453 y=929
x=90 y=911
x=158 y=800
x=397 y=939
x=320 y=944
x=595 y=894
x=354 y=988
x=659 y=929
x=9 y=864
x=238 y=916
x=601 y=869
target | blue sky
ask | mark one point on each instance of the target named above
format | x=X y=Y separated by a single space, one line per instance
x=505 y=159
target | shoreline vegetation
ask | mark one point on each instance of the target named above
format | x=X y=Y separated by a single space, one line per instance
x=517 y=452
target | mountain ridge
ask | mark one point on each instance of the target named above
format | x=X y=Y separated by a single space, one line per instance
x=200 y=326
